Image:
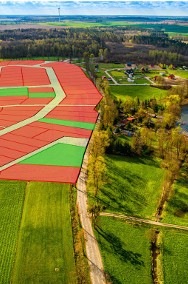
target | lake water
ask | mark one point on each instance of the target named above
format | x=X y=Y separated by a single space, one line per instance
x=184 y=118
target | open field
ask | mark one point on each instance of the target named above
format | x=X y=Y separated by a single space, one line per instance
x=125 y=250
x=11 y=204
x=45 y=246
x=176 y=211
x=175 y=257
x=165 y=27
x=133 y=187
x=89 y=24
x=181 y=73
x=142 y=92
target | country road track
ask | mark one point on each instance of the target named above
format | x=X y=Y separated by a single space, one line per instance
x=92 y=249
x=146 y=221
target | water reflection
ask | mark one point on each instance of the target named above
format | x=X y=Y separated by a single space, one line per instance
x=184 y=118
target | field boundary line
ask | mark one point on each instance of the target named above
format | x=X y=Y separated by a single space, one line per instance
x=146 y=221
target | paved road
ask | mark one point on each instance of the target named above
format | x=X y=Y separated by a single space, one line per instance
x=60 y=95
x=92 y=249
x=140 y=220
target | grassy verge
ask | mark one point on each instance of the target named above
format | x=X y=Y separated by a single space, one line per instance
x=45 y=248
x=142 y=92
x=81 y=261
x=11 y=204
x=133 y=186
x=176 y=211
x=125 y=250
x=175 y=257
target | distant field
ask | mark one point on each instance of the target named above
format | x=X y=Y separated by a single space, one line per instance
x=165 y=27
x=11 y=204
x=171 y=34
x=45 y=246
x=134 y=186
x=142 y=92
x=87 y=24
x=175 y=257
x=125 y=251
x=176 y=210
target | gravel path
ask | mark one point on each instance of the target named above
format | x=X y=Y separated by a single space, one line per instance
x=146 y=221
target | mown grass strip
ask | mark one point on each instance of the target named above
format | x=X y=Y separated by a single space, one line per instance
x=45 y=248
x=77 y=124
x=11 y=204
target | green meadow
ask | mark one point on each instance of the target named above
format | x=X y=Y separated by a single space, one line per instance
x=125 y=250
x=133 y=186
x=45 y=246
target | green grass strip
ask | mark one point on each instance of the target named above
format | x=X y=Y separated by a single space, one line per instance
x=42 y=95
x=58 y=155
x=85 y=125
x=13 y=92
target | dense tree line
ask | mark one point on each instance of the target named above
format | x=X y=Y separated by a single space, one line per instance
x=172 y=45
x=75 y=42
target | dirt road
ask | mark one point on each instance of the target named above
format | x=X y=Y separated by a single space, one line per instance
x=146 y=221
x=92 y=249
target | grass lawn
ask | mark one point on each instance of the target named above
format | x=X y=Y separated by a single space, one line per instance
x=176 y=211
x=125 y=251
x=121 y=78
x=175 y=257
x=45 y=246
x=11 y=204
x=181 y=73
x=142 y=92
x=133 y=186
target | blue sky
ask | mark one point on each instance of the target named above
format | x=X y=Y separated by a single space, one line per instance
x=94 y=7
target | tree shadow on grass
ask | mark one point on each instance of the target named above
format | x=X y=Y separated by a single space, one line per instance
x=122 y=191
x=117 y=248
x=178 y=204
